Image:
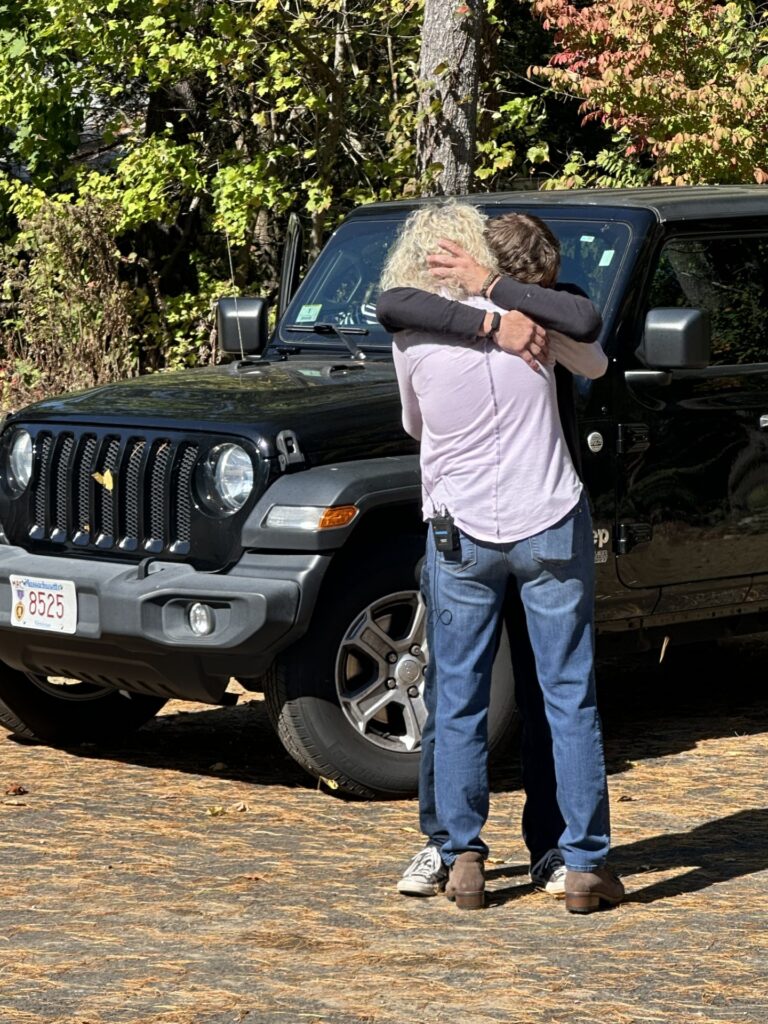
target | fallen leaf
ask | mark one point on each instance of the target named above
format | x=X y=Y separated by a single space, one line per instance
x=16 y=790
x=216 y=810
x=218 y=766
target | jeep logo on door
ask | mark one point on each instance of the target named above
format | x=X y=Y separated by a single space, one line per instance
x=601 y=538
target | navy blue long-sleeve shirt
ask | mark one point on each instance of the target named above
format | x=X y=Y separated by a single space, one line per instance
x=563 y=308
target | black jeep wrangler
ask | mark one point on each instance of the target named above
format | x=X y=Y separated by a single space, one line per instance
x=261 y=519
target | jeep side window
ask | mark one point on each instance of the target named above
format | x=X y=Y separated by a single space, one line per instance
x=727 y=277
x=590 y=255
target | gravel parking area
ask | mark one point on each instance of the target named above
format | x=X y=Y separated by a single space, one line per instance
x=197 y=876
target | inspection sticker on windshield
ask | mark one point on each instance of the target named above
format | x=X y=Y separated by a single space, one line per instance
x=38 y=603
x=607 y=258
x=308 y=314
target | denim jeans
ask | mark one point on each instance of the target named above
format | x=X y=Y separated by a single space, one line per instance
x=553 y=572
x=542 y=822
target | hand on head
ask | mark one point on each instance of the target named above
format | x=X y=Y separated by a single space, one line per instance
x=458 y=265
x=517 y=333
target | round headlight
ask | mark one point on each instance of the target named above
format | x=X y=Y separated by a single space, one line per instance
x=231 y=472
x=20 y=462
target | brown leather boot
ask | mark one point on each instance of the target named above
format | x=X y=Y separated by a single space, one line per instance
x=586 y=891
x=466 y=881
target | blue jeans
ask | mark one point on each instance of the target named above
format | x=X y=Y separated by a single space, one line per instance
x=553 y=572
x=542 y=822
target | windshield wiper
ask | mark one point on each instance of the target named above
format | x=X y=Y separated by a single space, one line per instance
x=309 y=328
x=340 y=332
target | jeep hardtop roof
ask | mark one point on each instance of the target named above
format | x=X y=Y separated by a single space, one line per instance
x=668 y=203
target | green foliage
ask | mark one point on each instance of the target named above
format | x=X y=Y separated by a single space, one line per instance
x=515 y=126
x=198 y=124
x=194 y=125
x=69 y=319
x=153 y=182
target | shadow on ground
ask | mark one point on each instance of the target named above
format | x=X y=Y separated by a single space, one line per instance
x=698 y=693
x=235 y=743
x=720 y=850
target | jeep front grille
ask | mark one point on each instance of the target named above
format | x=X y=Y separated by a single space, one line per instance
x=126 y=494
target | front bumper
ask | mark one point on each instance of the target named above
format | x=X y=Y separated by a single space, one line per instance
x=132 y=629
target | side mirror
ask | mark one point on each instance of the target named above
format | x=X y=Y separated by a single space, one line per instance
x=241 y=324
x=675 y=339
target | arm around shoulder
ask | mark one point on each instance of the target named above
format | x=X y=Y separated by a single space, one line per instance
x=400 y=309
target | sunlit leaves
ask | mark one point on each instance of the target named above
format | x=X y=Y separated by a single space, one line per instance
x=199 y=123
x=682 y=84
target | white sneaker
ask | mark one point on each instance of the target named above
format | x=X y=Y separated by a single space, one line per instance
x=426 y=875
x=548 y=874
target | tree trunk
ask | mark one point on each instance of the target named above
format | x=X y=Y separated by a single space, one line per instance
x=445 y=137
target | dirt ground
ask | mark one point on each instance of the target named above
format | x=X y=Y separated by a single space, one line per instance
x=197 y=876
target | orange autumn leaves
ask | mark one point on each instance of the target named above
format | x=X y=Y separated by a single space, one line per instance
x=683 y=84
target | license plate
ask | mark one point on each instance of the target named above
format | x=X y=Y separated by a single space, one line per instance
x=43 y=604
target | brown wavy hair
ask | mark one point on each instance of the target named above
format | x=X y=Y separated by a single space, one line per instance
x=525 y=248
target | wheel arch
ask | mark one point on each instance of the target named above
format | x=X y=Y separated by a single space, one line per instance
x=380 y=488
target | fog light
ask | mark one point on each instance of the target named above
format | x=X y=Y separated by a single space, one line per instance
x=201 y=619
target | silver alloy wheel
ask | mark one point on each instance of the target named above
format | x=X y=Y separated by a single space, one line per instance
x=380 y=669
x=69 y=689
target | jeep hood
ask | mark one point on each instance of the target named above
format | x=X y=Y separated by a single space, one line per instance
x=338 y=410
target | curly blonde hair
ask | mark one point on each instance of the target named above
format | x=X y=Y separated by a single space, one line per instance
x=406 y=265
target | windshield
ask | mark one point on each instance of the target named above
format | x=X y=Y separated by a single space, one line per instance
x=342 y=285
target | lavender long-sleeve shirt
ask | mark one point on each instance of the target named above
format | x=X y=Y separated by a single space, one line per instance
x=492 y=447
x=561 y=308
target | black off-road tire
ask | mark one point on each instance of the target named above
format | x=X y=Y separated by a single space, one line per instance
x=302 y=698
x=34 y=709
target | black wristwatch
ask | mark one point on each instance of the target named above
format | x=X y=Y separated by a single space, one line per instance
x=495 y=325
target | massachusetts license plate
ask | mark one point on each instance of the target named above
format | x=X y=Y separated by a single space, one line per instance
x=38 y=603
